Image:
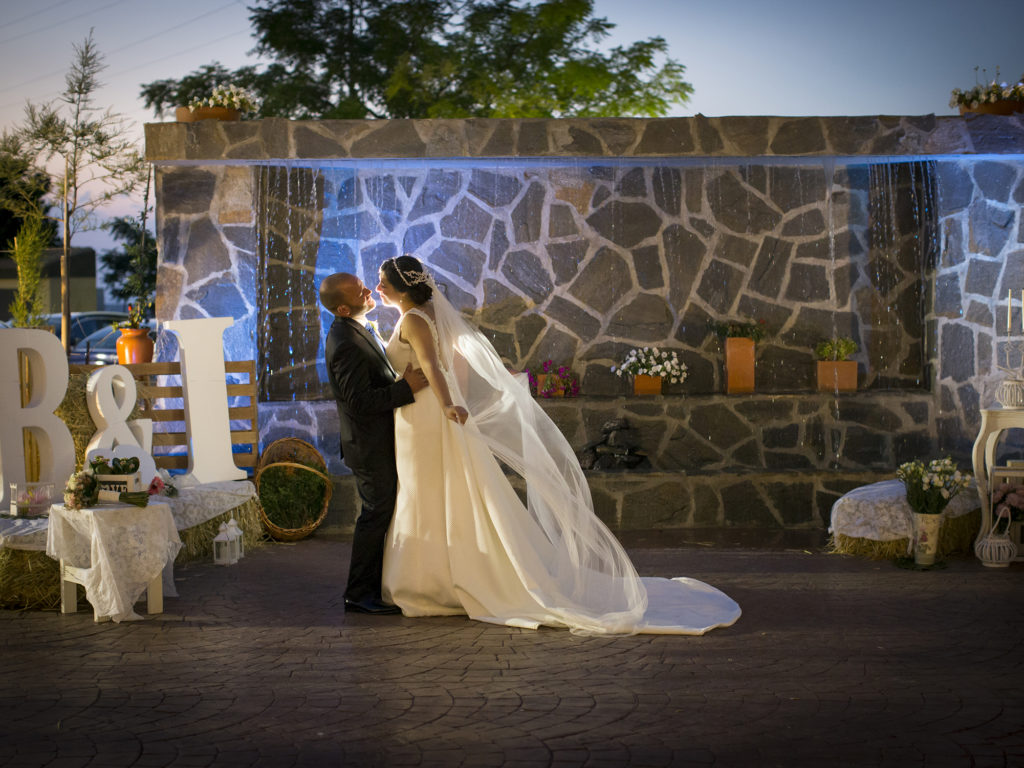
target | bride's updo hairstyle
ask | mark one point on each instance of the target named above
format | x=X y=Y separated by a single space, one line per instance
x=407 y=275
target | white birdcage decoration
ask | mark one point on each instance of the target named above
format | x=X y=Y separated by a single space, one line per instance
x=225 y=546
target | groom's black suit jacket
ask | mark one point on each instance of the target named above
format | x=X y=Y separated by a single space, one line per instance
x=367 y=393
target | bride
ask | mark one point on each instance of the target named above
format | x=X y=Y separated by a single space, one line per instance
x=462 y=540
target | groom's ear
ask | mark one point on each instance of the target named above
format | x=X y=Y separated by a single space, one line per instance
x=343 y=311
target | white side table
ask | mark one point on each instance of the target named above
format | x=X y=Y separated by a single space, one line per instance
x=116 y=551
x=994 y=421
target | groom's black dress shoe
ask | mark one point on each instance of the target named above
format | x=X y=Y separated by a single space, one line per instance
x=371 y=605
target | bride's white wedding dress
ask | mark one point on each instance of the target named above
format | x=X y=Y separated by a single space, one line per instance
x=462 y=541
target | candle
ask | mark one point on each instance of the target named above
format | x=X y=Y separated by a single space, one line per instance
x=1022 y=309
x=1009 y=309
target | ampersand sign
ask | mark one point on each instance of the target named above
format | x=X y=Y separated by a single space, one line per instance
x=110 y=395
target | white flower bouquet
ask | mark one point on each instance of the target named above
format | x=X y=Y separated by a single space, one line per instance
x=987 y=93
x=931 y=487
x=230 y=96
x=651 y=361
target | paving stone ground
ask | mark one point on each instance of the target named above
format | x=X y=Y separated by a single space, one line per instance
x=836 y=661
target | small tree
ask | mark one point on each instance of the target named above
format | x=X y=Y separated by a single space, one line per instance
x=27 y=251
x=91 y=150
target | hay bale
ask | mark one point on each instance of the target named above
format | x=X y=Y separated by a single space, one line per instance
x=956 y=537
x=74 y=412
x=197 y=541
x=29 y=579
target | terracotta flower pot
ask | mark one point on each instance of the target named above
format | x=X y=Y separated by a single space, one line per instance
x=837 y=375
x=189 y=115
x=739 y=365
x=134 y=346
x=646 y=385
x=1005 y=107
x=550 y=382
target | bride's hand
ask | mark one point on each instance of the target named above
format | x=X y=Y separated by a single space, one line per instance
x=456 y=413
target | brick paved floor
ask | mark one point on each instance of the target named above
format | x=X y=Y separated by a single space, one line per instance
x=835 y=662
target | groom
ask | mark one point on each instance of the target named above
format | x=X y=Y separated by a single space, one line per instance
x=367 y=390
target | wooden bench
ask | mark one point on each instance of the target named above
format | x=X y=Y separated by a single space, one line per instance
x=169 y=423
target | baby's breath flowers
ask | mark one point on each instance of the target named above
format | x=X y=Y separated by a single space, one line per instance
x=931 y=487
x=651 y=361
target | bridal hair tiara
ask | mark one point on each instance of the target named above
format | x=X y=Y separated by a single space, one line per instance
x=410 y=277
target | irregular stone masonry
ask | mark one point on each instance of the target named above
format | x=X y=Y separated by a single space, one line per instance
x=655 y=228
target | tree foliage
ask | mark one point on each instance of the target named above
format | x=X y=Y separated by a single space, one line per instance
x=363 y=59
x=131 y=268
x=88 y=153
x=26 y=248
x=23 y=188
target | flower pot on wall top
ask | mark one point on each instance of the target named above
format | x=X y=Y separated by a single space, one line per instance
x=190 y=115
x=1003 y=107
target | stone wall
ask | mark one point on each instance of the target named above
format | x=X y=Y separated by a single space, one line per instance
x=643 y=232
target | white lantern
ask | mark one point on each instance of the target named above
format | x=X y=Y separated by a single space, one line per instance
x=225 y=548
x=236 y=533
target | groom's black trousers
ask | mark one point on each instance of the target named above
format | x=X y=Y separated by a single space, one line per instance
x=378 y=487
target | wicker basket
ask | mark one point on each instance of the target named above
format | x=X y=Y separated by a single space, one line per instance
x=295 y=454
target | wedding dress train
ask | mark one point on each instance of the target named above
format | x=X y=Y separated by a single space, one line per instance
x=463 y=541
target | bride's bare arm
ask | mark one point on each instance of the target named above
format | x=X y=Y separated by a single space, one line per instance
x=416 y=331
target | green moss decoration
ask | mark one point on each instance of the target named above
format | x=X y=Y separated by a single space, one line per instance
x=292 y=498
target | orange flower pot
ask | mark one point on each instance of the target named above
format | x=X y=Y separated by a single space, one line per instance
x=646 y=385
x=837 y=375
x=1004 y=107
x=189 y=115
x=134 y=346
x=550 y=382
x=739 y=365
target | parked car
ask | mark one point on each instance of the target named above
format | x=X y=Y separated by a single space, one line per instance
x=101 y=346
x=85 y=323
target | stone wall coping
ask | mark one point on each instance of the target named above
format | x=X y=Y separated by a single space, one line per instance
x=280 y=140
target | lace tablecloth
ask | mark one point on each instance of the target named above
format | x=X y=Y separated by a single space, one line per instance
x=114 y=551
x=880 y=511
x=196 y=504
x=193 y=505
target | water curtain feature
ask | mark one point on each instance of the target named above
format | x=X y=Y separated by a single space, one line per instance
x=580 y=262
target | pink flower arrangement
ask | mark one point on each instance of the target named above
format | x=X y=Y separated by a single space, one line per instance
x=1008 y=499
x=158 y=487
x=554 y=382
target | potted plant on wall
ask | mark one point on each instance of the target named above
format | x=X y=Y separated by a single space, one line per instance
x=836 y=373
x=649 y=366
x=554 y=382
x=739 y=340
x=995 y=98
x=225 y=102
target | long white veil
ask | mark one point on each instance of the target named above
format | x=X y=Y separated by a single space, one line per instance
x=590 y=583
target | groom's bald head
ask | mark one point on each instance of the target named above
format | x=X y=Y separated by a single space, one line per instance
x=345 y=295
